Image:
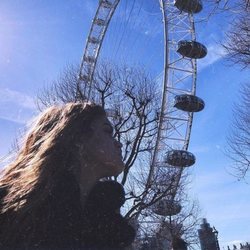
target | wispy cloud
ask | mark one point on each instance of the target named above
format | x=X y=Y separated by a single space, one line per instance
x=8 y=95
x=16 y=106
x=200 y=149
x=89 y=7
x=215 y=53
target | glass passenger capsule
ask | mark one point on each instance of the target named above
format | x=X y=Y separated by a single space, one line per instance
x=99 y=22
x=192 y=49
x=106 y=4
x=180 y=158
x=189 y=6
x=189 y=103
x=166 y=207
x=93 y=40
x=89 y=59
x=85 y=78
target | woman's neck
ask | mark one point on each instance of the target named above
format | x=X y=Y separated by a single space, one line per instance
x=87 y=179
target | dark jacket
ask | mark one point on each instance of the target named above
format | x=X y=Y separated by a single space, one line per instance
x=97 y=227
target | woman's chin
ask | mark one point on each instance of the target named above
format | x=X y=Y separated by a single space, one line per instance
x=115 y=168
x=120 y=168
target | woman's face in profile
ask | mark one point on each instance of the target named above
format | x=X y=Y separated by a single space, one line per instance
x=104 y=149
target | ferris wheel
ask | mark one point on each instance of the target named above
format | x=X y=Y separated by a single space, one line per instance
x=179 y=79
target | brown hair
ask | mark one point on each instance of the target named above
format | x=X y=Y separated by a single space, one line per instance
x=43 y=169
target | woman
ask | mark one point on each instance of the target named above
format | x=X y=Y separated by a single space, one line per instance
x=45 y=191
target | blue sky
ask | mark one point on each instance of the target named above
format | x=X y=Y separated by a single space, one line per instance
x=38 y=38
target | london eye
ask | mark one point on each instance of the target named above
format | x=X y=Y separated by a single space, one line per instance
x=179 y=101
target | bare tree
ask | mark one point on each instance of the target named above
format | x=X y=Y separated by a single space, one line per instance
x=238 y=49
x=183 y=225
x=61 y=90
x=239 y=138
x=218 y=6
x=238 y=37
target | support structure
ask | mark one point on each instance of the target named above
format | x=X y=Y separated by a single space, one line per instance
x=179 y=100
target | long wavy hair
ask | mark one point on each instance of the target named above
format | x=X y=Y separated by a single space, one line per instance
x=39 y=187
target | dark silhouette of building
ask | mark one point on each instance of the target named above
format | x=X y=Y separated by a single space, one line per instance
x=242 y=247
x=208 y=237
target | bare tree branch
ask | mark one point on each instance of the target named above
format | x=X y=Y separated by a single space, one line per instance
x=238 y=39
x=239 y=138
